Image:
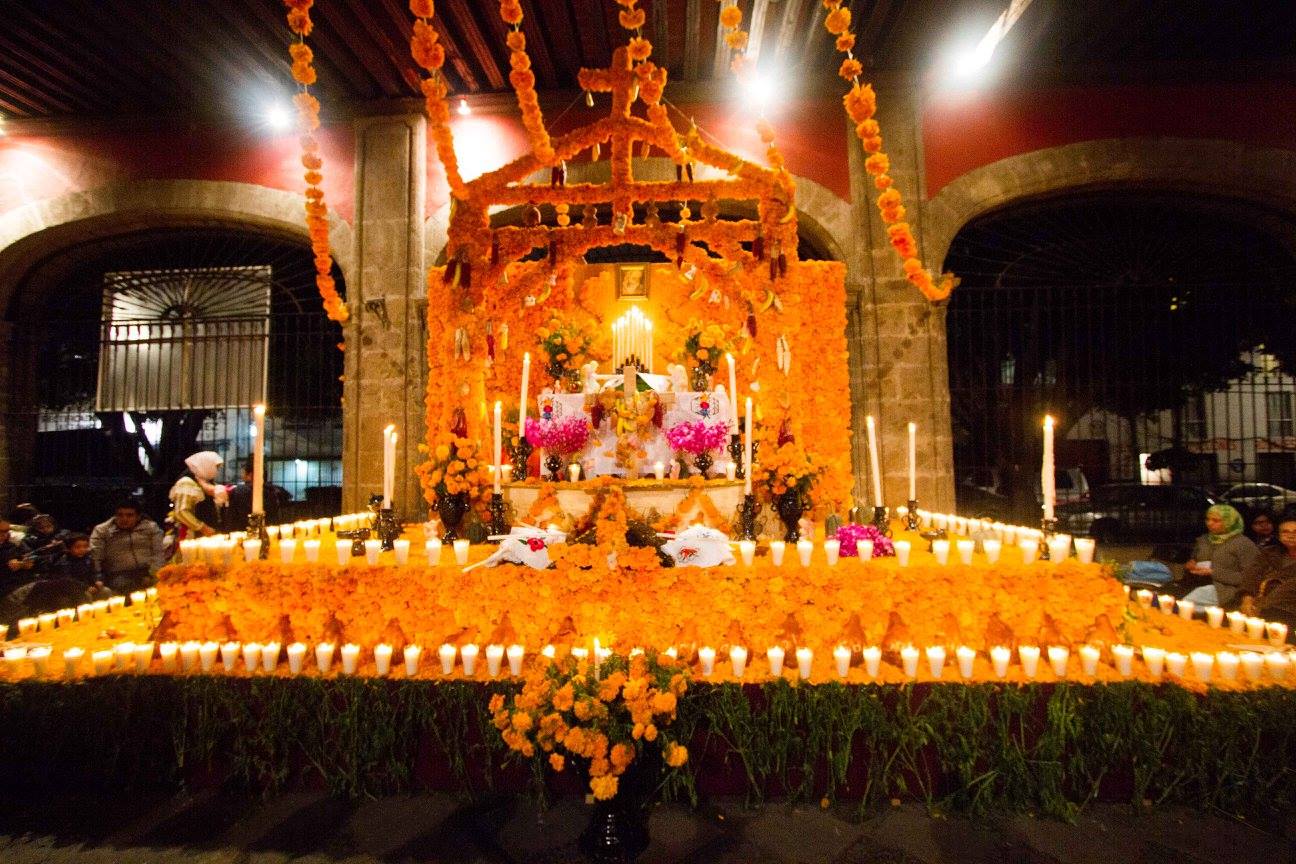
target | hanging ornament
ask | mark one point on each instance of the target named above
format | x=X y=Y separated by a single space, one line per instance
x=553 y=251
x=563 y=219
x=495 y=250
x=589 y=99
x=679 y=173
x=782 y=264
x=685 y=212
x=532 y=218
x=459 y=424
x=785 y=435
x=652 y=218
x=688 y=169
x=758 y=247
x=619 y=224
x=591 y=217
x=596 y=151
x=503 y=336
x=680 y=242
x=751 y=321
x=490 y=343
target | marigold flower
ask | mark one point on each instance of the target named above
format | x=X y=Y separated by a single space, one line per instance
x=736 y=40
x=878 y=163
x=838 y=21
x=676 y=755
x=846 y=42
x=422 y=8
x=632 y=19
x=522 y=721
x=639 y=48
x=556 y=761
x=299 y=21
x=850 y=69
x=731 y=16
x=516 y=40
x=511 y=12
x=604 y=788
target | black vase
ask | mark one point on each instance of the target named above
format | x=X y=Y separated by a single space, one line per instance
x=700 y=377
x=451 y=509
x=703 y=462
x=617 y=832
x=790 y=506
x=554 y=463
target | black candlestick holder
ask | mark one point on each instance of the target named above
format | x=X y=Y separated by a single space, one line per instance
x=911 y=518
x=932 y=535
x=357 y=537
x=256 y=528
x=386 y=528
x=521 y=454
x=1049 y=527
x=747 y=517
x=498 y=523
x=736 y=456
x=880 y=520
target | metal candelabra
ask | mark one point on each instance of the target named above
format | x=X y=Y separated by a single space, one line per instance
x=498 y=523
x=736 y=456
x=747 y=517
x=1049 y=527
x=911 y=518
x=256 y=527
x=880 y=520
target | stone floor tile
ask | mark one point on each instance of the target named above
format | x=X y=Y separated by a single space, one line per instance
x=380 y=828
x=802 y=834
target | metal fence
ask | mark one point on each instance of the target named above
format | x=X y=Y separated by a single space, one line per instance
x=189 y=379
x=1158 y=331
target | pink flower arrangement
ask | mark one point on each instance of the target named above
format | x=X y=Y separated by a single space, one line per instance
x=564 y=437
x=696 y=436
x=851 y=533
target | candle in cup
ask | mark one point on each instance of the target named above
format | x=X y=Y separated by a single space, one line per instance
x=343 y=552
x=864 y=550
x=999 y=659
x=1176 y=663
x=1255 y=628
x=461 y=551
x=738 y=660
x=805 y=657
x=1154 y=658
x=84 y=612
x=46 y=621
x=72 y=661
x=872 y=660
x=1186 y=609
x=1252 y=665
x=747 y=549
x=841 y=657
x=251 y=550
x=966 y=658
x=1029 y=548
x=909 y=661
x=659 y=470
x=102 y=662
x=229 y=654
x=1202 y=663
x=433 y=549
x=494 y=657
x=413 y=654
x=941 y=549
x=731 y=471
x=992 y=549
x=1084 y=547
x=1144 y=597
x=251 y=656
x=902 y=550
x=775 y=656
x=573 y=471
x=27 y=626
x=468 y=657
x=1214 y=616
x=1059 y=547
x=1237 y=621
x=39 y=657
x=324 y=657
x=1089 y=656
x=1029 y=656
x=706 y=658
x=777 y=550
x=311 y=548
x=1277 y=632
x=1228 y=665
x=1058 y=656
x=382 y=658
x=804 y=550
x=373 y=548
x=189 y=655
x=207 y=654
x=936 y=660
x=1277 y=664
x=287 y=550
x=350 y=658
x=965 y=549
x=515 y=653
x=447 y=654
x=832 y=550
x=1124 y=657
x=401 y=548
x=269 y=656
x=1165 y=603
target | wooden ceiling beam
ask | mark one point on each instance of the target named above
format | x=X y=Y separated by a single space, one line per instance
x=341 y=22
x=756 y=29
x=558 y=24
x=692 y=40
x=720 y=60
x=661 y=32
x=476 y=39
x=395 y=49
x=538 y=49
x=787 y=28
x=591 y=33
x=55 y=78
x=868 y=38
x=143 y=67
x=322 y=39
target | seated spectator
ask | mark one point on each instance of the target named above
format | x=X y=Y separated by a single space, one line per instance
x=1268 y=586
x=1222 y=554
x=1262 y=529
x=43 y=543
x=126 y=549
x=240 y=501
x=76 y=561
x=19 y=518
x=13 y=569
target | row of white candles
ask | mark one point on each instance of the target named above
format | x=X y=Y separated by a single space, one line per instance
x=49 y=621
x=224 y=551
x=1238 y=622
x=255 y=657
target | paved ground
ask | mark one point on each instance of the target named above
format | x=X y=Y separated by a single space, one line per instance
x=312 y=828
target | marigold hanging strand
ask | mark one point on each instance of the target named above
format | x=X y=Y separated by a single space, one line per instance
x=429 y=53
x=308 y=111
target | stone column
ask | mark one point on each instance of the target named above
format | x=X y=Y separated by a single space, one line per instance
x=384 y=365
x=897 y=338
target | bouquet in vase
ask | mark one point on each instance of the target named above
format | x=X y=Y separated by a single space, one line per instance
x=704 y=345
x=564 y=437
x=697 y=436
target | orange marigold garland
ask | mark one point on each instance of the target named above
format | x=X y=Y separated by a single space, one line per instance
x=427 y=51
x=861 y=104
x=524 y=84
x=308 y=111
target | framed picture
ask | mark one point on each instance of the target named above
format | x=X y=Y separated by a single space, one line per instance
x=632 y=281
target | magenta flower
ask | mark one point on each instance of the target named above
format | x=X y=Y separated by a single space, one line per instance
x=563 y=437
x=696 y=436
x=851 y=533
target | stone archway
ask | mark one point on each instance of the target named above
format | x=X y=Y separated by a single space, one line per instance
x=1224 y=168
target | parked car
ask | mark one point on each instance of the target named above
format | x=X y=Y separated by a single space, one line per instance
x=1259 y=496
x=1070 y=484
x=1135 y=513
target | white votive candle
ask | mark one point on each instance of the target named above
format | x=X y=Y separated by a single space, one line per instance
x=207 y=654
x=1058 y=655
x=1277 y=664
x=1277 y=633
x=413 y=654
x=1154 y=659
x=936 y=660
x=468 y=657
x=864 y=550
x=1176 y=664
x=872 y=655
x=1228 y=665
x=775 y=656
x=992 y=548
x=966 y=658
x=1252 y=665
x=1203 y=663
x=1255 y=628
x=1084 y=547
x=251 y=550
x=189 y=655
x=461 y=551
x=296 y=656
x=324 y=657
x=401 y=549
x=515 y=653
x=804 y=550
x=999 y=659
x=72 y=661
x=1089 y=660
x=1124 y=657
x=269 y=656
x=494 y=657
x=311 y=549
x=659 y=470
x=805 y=657
x=1237 y=621
x=1029 y=547
x=940 y=548
x=1059 y=548
x=229 y=655
x=573 y=472
x=350 y=658
x=1214 y=616
x=747 y=550
x=1144 y=597
x=64 y=617
x=124 y=656
x=432 y=548
x=27 y=626
x=738 y=660
x=39 y=657
x=1186 y=609
x=343 y=552
x=902 y=550
x=84 y=612
x=832 y=550
x=965 y=550
x=373 y=548
x=909 y=661
x=841 y=657
x=706 y=659
x=1165 y=603
x=447 y=654
x=287 y=550
x=1029 y=656
x=251 y=656
x=102 y=662
x=777 y=550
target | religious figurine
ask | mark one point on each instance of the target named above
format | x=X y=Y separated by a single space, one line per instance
x=589 y=381
x=678 y=378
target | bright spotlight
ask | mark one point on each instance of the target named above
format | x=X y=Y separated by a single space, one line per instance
x=759 y=89
x=277 y=116
x=464 y=110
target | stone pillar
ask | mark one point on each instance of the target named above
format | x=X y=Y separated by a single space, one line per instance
x=384 y=358
x=899 y=367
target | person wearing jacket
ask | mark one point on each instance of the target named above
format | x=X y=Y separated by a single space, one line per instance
x=126 y=549
x=192 y=489
x=1223 y=554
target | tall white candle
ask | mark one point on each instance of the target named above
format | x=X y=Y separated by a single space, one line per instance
x=522 y=401
x=913 y=461
x=497 y=451
x=733 y=395
x=874 y=468
x=389 y=464
x=747 y=448
x=1048 y=480
x=258 y=459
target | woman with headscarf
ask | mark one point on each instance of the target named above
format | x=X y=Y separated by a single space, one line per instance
x=1222 y=554
x=194 y=487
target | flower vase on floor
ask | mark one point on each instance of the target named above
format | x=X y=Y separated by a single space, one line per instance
x=617 y=832
x=790 y=507
x=451 y=510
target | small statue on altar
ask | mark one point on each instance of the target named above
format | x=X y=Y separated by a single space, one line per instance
x=589 y=377
x=678 y=378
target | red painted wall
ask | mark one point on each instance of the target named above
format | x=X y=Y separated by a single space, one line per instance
x=965 y=131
